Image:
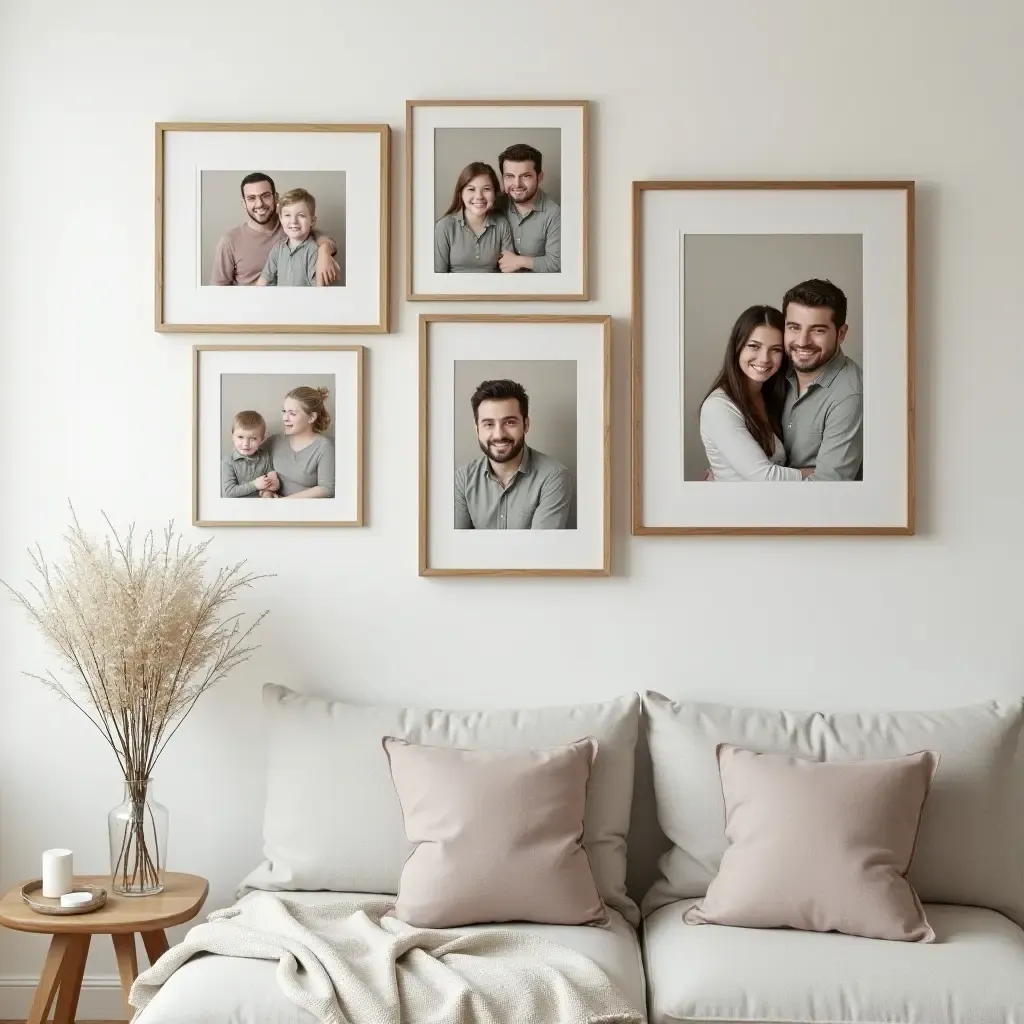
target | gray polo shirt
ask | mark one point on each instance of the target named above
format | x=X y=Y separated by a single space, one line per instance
x=538 y=497
x=538 y=232
x=458 y=249
x=312 y=466
x=292 y=266
x=823 y=427
x=237 y=473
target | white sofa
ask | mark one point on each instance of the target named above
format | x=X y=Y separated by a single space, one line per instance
x=654 y=835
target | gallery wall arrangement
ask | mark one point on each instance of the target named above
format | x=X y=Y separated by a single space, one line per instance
x=771 y=337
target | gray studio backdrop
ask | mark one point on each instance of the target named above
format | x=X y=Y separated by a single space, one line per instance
x=221 y=207
x=454 y=148
x=265 y=393
x=552 y=388
x=723 y=275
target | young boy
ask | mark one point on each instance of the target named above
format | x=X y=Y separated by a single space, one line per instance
x=292 y=261
x=247 y=472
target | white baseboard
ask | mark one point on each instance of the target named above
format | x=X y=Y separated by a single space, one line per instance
x=100 y=999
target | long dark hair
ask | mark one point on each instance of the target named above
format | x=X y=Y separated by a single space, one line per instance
x=469 y=172
x=732 y=380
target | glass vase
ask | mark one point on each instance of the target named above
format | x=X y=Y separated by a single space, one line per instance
x=138 y=841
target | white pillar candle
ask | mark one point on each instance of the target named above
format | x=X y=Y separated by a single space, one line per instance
x=58 y=875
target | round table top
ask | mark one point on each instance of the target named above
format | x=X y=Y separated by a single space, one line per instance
x=181 y=900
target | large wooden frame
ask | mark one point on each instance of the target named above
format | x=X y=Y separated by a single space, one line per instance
x=504 y=288
x=375 y=302
x=598 y=418
x=356 y=446
x=664 y=211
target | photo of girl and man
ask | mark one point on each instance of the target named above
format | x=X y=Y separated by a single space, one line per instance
x=295 y=458
x=501 y=216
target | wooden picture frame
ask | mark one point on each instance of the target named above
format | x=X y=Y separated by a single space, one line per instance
x=210 y=219
x=444 y=138
x=703 y=252
x=275 y=382
x=466 y=525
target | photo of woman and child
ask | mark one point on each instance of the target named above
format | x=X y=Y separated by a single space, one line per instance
x=297 y=462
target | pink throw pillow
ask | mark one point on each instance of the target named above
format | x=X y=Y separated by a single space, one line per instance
x=819 y=845
x=498 y=835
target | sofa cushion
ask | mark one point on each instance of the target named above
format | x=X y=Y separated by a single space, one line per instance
x=332 y=818
x=972 y=974
x=819 y=845
x=970 y=846
x=498 y=835
x=228 y=988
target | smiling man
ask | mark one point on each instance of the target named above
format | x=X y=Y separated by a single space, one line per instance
x=242 y=252
x=511 y=486
x=534 y=217
x=823 y=415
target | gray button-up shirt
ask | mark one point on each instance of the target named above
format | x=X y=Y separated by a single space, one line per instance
x=538 y=233
x=288 y=266
x=538 y=497
x=823 y=427
x=237 y=473
x=458 y=249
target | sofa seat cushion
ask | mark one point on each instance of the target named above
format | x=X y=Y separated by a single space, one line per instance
x=242 y=991
x=972 y=974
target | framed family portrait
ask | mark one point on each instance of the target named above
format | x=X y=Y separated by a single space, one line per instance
x=272 y=227
x=497 y=199
x=514 y=445
x=277 y=435
x=773 y=343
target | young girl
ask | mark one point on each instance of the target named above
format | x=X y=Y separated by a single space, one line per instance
x=471 y=236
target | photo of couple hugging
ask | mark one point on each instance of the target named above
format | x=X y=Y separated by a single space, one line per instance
x=500 y=221
x=278 y=243
x=298 y=462
x=788 y=403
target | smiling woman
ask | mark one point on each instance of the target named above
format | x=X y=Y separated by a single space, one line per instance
x=740 y=418
x=470 y=237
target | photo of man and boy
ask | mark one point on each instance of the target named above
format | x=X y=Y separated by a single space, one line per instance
x=289 y=238
x=512 y=484
x=502 y=215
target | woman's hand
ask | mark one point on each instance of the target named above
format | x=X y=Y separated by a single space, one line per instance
x=269 y=494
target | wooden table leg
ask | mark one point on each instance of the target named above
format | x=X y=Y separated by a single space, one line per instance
x=49 y=980
x=127 y=966
x=156 y=944
x=71 y=979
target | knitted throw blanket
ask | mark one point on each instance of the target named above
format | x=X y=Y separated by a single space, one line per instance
x=347 y=963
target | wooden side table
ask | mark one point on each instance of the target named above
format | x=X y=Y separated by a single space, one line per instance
x=121 y=917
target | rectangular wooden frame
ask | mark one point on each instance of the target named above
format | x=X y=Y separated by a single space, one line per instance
x=382 y=326
x=411 y=294
x=425 y=320
x=638 y=526
x=360 y=351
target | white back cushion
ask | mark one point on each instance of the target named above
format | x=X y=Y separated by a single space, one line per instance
x=333 y=819
x=970 y=848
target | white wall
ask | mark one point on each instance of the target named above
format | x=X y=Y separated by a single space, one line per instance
x=95 y=406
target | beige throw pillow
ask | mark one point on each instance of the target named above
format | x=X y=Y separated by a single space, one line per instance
x=819 y=845
x=497 y=835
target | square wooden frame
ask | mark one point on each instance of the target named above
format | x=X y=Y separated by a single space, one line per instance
x=411 y=294
x=425 y=320
x=360 y=351
x=640 y=188
x=382 y=326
